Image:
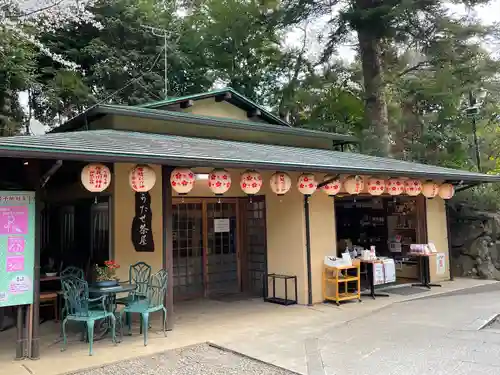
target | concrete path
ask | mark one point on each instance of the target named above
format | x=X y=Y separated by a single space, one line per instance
x=318 y=339
x=434 y=336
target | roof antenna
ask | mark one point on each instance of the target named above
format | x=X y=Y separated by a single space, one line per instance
x=161 y=33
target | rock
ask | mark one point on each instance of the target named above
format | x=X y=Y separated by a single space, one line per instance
x=475 y=237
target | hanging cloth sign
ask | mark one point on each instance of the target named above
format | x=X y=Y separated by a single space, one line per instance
x=142 y=234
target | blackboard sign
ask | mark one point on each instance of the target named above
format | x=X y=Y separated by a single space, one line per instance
x=142 y=234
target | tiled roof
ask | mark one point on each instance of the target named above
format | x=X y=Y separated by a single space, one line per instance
x=236 y=98
x=115 y=145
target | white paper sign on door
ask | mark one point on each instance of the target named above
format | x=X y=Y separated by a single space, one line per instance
x=221 y=225
x=440 y=263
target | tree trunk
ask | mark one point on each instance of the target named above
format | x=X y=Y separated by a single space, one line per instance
x=377 y=137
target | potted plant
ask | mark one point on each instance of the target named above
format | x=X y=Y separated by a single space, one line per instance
x=106 y=275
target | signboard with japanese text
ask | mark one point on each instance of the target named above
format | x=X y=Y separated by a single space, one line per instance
x=440 y=263
x=17 y=247
x=142 y=235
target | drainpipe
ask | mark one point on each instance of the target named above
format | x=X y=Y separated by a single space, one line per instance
x=448 y=230
x=308 y=250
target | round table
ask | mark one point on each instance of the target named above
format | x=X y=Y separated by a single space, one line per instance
x=104 y=325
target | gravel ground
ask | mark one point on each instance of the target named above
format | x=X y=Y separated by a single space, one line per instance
x=192 y=360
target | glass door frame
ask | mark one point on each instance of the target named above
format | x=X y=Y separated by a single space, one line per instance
x=176 y=200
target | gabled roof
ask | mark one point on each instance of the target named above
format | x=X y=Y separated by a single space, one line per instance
x=228 y=94
x=134 y=147
x=97 y=111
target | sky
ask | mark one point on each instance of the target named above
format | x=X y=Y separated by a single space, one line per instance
x=488 y=14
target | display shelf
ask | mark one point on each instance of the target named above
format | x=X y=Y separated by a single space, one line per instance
x=339 y=278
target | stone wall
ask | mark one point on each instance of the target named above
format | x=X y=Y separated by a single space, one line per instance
x=475 y=242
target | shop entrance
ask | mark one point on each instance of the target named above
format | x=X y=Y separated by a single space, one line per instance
x=391 y=224
x=218 y=246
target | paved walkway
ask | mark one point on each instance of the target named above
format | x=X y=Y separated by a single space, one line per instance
x=430 y=336
x=325 y=335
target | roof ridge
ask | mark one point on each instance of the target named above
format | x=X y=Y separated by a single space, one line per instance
x=215 y=92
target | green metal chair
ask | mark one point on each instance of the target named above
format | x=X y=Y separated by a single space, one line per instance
x=69 y=272
x=139 y=274
x=79 y=308
x=151 y=303
x=74 y=272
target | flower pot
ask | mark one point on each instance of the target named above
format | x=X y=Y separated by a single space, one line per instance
x=106 y=283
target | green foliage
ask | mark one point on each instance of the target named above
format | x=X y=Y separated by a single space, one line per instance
x=408 y=88
x=16 y=75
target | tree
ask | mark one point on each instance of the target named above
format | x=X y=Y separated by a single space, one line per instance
x=379 y=25
x=16 y=75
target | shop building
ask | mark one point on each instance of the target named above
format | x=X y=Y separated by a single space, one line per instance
x=214 y=244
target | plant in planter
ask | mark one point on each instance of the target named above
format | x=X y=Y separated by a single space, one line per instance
x=106 y=275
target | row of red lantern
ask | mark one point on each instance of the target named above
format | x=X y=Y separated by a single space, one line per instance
x=97 y=177
x=219 y=181
x=142 y=178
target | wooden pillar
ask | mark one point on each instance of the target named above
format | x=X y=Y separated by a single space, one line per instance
x=34 y=351
x=167 y=249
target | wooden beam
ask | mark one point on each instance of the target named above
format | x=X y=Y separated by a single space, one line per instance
x=187 y=104
x=221 y=98
x=254 y=113
x=167 y=243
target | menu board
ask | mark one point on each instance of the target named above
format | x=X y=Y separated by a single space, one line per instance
x=17 y=247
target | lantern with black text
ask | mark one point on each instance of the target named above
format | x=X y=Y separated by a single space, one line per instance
x=251 y=182
x=219 y=181
x=333 y=187
x=430 y=189
x=306 y=183
x=413 y=187
x=280 y=183
x=395 y=186
x=182 y=180
x=96 y=177
x=446 y=191
x=376 y=186
x=142 y=178
x=354 y=185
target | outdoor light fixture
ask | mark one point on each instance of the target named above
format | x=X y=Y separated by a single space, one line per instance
x=25 y=163
x=202 y=176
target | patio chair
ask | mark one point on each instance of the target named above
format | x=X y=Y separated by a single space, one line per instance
x=79 y=308
x=139 y=274
x=153 y=302
x=69 y=272
x=72 y=272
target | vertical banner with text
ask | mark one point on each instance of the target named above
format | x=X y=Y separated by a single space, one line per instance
x=17 y=247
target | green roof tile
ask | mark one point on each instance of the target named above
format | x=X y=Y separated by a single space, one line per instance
x=115 y=145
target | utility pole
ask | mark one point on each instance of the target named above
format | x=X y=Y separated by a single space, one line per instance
x=161 y=33
x=472 y=111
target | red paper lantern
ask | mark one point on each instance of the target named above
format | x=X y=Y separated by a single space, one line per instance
x=413 y=187
x=219 y=181
x=354 y=184
x=333 y=187
x=280 y=183
x=376 y=186
x=182 y=180
x=446 y=191
x=430 y=189
x=142 y=178
x=251 y=182
x=96 y=177
x=395 y=186
x=306 y=183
